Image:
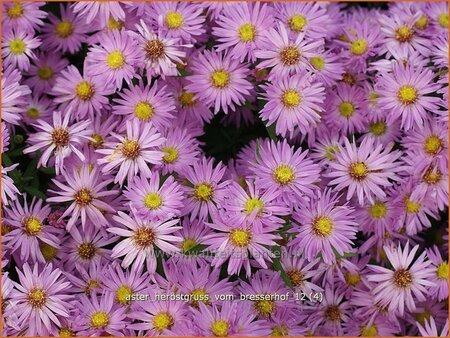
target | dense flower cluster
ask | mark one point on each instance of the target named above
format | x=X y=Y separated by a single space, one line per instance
x=329 y=217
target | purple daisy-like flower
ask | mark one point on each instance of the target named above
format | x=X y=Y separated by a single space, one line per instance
x=293 y=103
x=99 y=315
x=324 y=227
x=327 y=66
x=141 y=239
x=40 y=299
x=25 y=15
x=286 y=56
x=408 y=281
x=147 y=104
x=17 y=48
x=219 y=81
x=102 y=11
x=429 y=329
x=239 y=29
x=9 y=190
x=440 y=289
x=59 y=139
x=14 y=95
x=406 y=93
x=38 y=108
x=364 y=170
x=84 y=190
x=155 y=199
x=438 y=13
x=133 y=152
x=206 y=188
x=65 y=34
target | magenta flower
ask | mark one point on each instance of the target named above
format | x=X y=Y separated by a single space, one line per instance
x=25 y=15
x=17 y=48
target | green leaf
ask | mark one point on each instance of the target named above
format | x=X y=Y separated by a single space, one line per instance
x=6 y=160
x=271 y=131
x=16 y=152
x=34 y=192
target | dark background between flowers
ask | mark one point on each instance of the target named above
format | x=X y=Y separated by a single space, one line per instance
x=220 y=141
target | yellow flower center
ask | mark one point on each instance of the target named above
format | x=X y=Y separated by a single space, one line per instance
x=346 y=109
x=33 y=113
x=421 y=316
x=83 y=197
x=144 y=237
x=33 y=226
x=87 y=251
x=412 y=207
x=91 y=285
x=220 y=328
x=171 y=155
x=322 y=226
x=284 y=174
x=15 y=10
x=370 y=331
x=359 y=47
x=97 y=140
x=373 y=98
x=422 y=22
x=37 y=297
x=49 y=252
x=442 y=270
x=200 y=295
x=114 y=24
x=187 y=99
x=153 y=201
x=247 y=32
x=144 y=111
x=85 y=90
x=188 y=244
x=330 y=151
x=290 y=56
x=378 y=128
x=45 y=73
x=115 y=59
x=123 y=294
x=348 y=79
x=64 y=29
x=443 y=20
x=66 y=332
x=265 y=307
x=352 y=279
x=17 y=46
x=432 y=176
x=240 y=237
x=174 y=20
x=220 y=79
x=154 y=49
x=358 y=171
x=318 y=62
x=402 y=278
x=280 y=331
x=404 y=34
x=99 y=320
x=291 y=98
x=163 y=321
x=297 y=22
x=407 y=94
x=333 y=313
x=203 y=192
x=433 y=145
x=130 y=149
x=296 y=277
x=254 y=203
x=378 y=210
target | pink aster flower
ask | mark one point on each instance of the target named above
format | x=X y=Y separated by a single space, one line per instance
x=84 y=190
x=438 y=13
x=219 y=81
x=28 y=229
x=65 y=34
x=178 y=20
x=59 y=139
x=14 y=95
x=293 y=104
x=155 y=199
x=407 y=283
x=38 y=108
x=278 y=165
x=429 y=329
x=17 y=48
x=238 y=241
x=287 y=56
x=206 y=189
x=324 y=227
x=133 y=152
x=440 y=290
x=100 y=316
x=40 y=299
x=146 y=104
x=365 y=170
x=141 y=238
x=114 y=59
x=240 y=28
x=102 y=11
x=25 y=15
x=159 y=54
x=327 y=66
x=405 y=93
x=9 y=190
x=192 y=234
